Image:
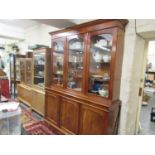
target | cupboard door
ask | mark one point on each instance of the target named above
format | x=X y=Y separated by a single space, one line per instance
x=38 y=101
x=93 y=121
x=52 y=108
x=25 y=94
x=69 y=116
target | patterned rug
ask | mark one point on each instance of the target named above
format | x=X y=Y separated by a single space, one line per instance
x=27 y=118
x=39 y=128
x=32 y=126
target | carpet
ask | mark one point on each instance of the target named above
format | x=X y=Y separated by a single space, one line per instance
x=27 y=118
x=33 y=126
x=39 y=128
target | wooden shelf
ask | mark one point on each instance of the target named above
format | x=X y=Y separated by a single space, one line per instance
x=59 y=52
x=39 y=77
x=77 y=50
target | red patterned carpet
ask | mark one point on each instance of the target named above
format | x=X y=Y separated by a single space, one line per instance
x=39 y=128
x=32 y=126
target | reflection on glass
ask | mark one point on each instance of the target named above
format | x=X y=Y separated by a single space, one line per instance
x=100 y=58
x=22 y=71
x=17 y=70
x=58 y=61
x=28 y=71
x=75 y=63
x=39 y=66
x=12 y=66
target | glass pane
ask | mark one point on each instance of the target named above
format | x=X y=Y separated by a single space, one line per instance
x=22 y=71
x=100 y=59
x=39 y=66
x=28 y=72
x=58 y=62
x=17 y=70
x=75 y=63
x=12 y=66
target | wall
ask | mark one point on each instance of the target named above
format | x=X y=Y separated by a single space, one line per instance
x=11 y=32
x=38 y=34
x=133 y=64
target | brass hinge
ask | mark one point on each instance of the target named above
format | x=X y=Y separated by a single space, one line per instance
x=140 y=91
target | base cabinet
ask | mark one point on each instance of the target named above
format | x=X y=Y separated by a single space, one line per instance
x=92 y=121
x=69 y=115
x=24 y=94
x=52 y=108
x=38 y=101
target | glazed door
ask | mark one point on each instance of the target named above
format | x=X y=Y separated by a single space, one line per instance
x=58 y=51
x=29 y=71
x=99 y=62
x=75 y=59
x=22 y=70
x=17 y=69
x=39 y=69
x=12 y=67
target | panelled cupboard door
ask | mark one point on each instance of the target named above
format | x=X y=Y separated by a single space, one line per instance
x=92 y=121
x=52 y=108
x=69 y=116
x=38 y=101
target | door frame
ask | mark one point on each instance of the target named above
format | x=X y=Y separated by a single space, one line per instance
x=141 y=86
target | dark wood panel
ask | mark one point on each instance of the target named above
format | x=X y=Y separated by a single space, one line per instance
x=52 y=108
x=89 y=27
x=93 y=121
x=69 y=115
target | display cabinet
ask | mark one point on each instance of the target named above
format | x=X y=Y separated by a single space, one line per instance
x=41 y=67
x=26 y=70
x=83 y=97
x=41 y=78
x=14 y=72
x=24 y=89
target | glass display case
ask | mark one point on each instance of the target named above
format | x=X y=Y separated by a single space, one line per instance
x=17 y=70
x=99 y=68
x=41 y=78
x=22 y=70
x=28 y=71
x=75 y=62
x=83 y=97
x=92 y=62
x=12 y=63
x=58 y=62
x=39 y=69
x=14 y=71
